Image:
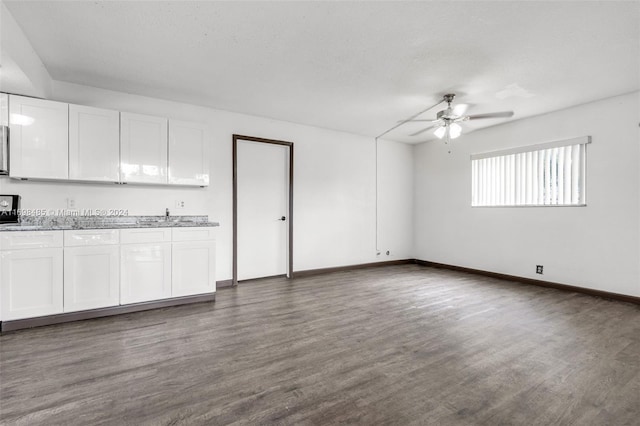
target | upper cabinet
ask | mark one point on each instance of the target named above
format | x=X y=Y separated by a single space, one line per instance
x=94 y=144
x=188 y=154
x=60 y=141
x=143 y=148
x=39 y=138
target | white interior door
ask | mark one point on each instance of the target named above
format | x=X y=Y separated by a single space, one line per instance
x=263 y=197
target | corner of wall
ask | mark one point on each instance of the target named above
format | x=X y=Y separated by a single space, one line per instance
x=22 y=69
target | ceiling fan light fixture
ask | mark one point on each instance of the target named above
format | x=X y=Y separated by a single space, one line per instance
x=440 y=131
x=455 y=130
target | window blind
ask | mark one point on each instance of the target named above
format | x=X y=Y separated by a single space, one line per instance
x=551 y=174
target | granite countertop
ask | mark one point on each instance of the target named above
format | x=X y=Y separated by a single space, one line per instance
x=62 y=223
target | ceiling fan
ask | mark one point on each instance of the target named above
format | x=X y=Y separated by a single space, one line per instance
x=446 y=123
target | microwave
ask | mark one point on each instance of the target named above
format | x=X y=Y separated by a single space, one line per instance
x=4 y=150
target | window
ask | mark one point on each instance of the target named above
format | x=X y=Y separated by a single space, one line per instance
x=550 y=174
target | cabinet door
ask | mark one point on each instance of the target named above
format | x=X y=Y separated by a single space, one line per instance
x=143 y=148
x=91 y=277
x=145 y=272
x=94 y=144
x=193 y=268
x=31 y=283
x=39 y=138
x=188 y=154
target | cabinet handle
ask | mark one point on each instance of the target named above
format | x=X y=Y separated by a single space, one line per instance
x=283 y=218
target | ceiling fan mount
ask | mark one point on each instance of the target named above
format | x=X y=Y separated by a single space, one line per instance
x=448 y=98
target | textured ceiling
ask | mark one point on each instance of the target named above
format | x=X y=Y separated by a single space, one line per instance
x=352 y=66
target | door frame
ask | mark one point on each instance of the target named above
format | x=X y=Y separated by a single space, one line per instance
x=237 y=138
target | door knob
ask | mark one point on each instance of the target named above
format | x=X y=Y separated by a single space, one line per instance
x=283 y=218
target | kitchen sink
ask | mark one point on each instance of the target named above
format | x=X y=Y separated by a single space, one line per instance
x=171 y=221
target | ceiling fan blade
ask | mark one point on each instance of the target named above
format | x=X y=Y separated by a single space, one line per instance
x=422 y=131
x=460 y=109
x=419 y=120
x=502 y=114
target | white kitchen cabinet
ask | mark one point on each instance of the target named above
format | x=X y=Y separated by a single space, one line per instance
x=91 y=277
x=188 y=154
x=145 y=272
x=53 y=272
x=143 y=148
x=39 y=138
x=94 y=144
x=193 y=266
x=145 y=262
x=32 y=283
x=91 y=269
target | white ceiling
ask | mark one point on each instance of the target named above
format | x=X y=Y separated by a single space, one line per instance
x=352 y=66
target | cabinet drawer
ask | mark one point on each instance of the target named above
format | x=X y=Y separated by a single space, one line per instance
x=193 y=234
x=91 y=237
x=153 y=235
x=30 y=239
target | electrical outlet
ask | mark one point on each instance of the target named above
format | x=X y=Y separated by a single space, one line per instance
x=71 y=203
x=179 y=204
x=539 y=269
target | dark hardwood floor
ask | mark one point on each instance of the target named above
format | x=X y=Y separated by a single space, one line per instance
x=390 y=345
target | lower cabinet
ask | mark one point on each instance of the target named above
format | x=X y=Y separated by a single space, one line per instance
x=146 y=272
x=31 y=282
x=91 y=277
x=193 y=268
x=52 y=272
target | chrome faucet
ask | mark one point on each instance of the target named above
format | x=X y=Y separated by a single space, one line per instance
x=166 y=213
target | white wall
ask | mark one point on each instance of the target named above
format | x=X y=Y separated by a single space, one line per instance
x=334 y=192
x=22 y=70
x=597 y=246
x=395 y=200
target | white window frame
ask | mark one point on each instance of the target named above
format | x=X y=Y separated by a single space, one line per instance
x=513 y=177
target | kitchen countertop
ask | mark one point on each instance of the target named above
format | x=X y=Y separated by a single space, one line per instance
x=63 y=223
